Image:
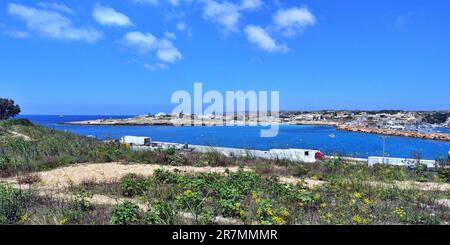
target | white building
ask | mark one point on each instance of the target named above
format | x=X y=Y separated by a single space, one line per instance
x=135 y=140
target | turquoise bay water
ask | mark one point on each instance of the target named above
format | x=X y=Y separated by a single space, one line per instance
x=290 y=136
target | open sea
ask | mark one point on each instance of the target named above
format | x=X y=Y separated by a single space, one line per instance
x=290 y=136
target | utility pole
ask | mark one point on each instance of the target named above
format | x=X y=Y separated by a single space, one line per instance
x=384 y=148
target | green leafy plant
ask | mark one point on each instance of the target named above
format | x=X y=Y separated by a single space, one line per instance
x=12 y=204
x=161 y=213
x=133 y=185
x=444 y=174
x=77 y=209
x=126 y=213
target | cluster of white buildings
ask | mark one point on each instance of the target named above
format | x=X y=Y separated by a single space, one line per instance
x=399 y=120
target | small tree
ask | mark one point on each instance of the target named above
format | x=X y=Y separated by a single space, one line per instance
x=8 y=108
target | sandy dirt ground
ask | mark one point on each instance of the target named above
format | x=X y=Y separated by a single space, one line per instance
x=56 y=182
x=100 y=172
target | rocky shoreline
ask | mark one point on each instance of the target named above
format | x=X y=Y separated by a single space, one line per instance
x=150 y=121
x=393 y=132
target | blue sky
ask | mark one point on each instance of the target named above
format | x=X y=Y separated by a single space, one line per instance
x=129 y=56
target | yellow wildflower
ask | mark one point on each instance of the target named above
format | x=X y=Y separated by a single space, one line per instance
x=323 y=205
x=259 y=211
x=285 y=212
x=279 y=220
x=63 y=221
x=357 y=195
x=188 y=193
x=360 y=220
x=400 y=212
x=367 y=201
x=315 y=177
x=254 y=195
x=24 y=218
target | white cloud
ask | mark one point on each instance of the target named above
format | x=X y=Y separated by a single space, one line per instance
x=143 y=42
x=151 y=2
x=52 y=24
x=293 y=20
x=109 y=17
x=250 y=4
x=402 y=21
x=55 y=6
x=155 y=66
x=225 y=14
x=146 y=42
x=167 y=52
x=174 y=3
x=258 y=36
x=17 y=34
x=181 y=26
x=170 y=35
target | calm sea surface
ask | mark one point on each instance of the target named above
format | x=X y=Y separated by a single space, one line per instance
x=290 y=136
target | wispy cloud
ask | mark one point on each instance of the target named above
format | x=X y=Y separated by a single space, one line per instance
x=109 y=17
x=401 y=21
x=147 y=42
x=170 y=35
x=293 y=20
x=157 y=2
x=52 y=24
x=157 y=66
x=151 y=2
x=258 y=36
x=55 y=6
x=250 y=4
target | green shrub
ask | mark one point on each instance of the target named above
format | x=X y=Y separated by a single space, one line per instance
x=164 y=176
x=387 y=172
x=444 y=174
x=126 y=213
x=170 y=151
x=133 y=185
x=12 y=204
x=161 y=213
x=66 y=160
x=77 y=209
x=217 y=159
x=300 y=170
x=421 y=168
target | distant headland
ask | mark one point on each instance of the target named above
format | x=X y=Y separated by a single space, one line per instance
x=416 y=124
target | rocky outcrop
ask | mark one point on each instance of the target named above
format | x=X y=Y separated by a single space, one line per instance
x=393 y=132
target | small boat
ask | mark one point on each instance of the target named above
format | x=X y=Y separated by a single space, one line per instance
x=331 y=135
